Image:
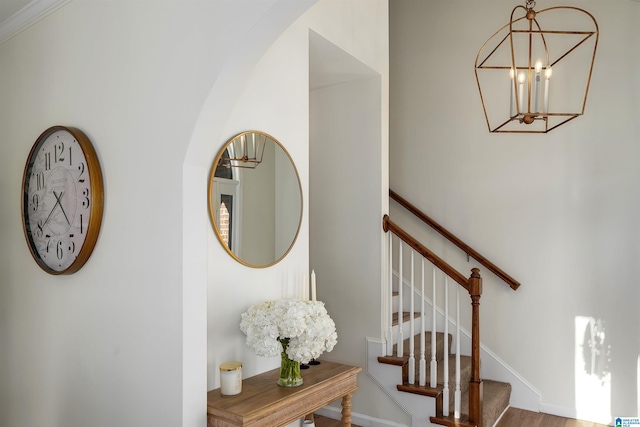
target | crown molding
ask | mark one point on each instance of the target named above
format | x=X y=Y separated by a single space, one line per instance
x=27 y=16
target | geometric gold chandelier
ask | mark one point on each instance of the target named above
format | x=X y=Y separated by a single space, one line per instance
x=533 y=74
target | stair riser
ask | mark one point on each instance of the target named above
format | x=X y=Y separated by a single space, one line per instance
x=417 y=308
x=406 y=329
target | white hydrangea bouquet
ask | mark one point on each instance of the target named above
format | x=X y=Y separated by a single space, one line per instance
x=297 y=330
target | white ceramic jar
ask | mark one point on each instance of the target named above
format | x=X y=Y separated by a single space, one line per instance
x=231 y=378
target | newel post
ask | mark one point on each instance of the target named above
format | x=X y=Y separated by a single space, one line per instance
x=475 y=384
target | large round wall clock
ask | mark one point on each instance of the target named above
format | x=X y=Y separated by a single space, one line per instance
x=62 y=200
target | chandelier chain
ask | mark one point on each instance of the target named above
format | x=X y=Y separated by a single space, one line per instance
x=530 y=4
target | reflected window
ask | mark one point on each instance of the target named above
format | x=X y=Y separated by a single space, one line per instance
x=227 y=203
x=226 y=219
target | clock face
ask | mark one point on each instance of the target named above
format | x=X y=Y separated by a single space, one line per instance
x=62 y=200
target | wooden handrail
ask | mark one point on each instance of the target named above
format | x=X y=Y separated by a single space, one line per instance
x=456 y=241
x=388 y=225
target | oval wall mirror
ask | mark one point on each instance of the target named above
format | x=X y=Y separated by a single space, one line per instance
x=255 y=199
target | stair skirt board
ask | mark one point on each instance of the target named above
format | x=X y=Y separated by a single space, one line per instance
x=388 y=377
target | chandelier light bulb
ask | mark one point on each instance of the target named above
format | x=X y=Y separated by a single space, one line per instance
x=547 y=74
x=512 y=105
x=536 y=88
x=520 y=92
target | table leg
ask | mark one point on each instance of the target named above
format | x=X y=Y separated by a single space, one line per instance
x=346 y=410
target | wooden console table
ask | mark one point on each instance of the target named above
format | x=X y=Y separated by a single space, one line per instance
x=263 y=403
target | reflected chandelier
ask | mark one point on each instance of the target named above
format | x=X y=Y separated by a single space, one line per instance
x=244 y=151
x=515 y=66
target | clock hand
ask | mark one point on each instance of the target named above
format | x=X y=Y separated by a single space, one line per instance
x=60 y=204
x=54 y=208
x=50 y=213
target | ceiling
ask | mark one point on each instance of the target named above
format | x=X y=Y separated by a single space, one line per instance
x=16 y=15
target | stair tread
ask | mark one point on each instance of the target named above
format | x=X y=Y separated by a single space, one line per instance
x=465 y=374
x=496 y=396
x=450 y=421
x=406 y=347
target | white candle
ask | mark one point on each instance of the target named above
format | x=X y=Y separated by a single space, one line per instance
x=255 y=153
x=512 y=105
x=537 y=86
x=313 y=285
x=547 y=73
x=231 y=378
x=521 y=92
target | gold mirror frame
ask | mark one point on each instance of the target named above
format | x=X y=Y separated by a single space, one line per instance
x=244 y=180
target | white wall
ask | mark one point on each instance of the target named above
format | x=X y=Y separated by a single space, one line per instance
x=121 y=342
x=158 y=87
x=346 y=207
x=557 y=211
x=276 y=100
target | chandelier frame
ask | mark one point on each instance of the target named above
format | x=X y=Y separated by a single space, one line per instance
x=523 y=109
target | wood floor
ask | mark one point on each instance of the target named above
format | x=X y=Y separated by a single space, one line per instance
x=519 y=417
x=512 y=418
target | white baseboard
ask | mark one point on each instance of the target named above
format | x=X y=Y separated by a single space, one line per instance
x=566 y=412
x=560 y=411
x=359 y=419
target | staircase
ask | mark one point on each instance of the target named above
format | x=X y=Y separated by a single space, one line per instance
x=439 y=387
x=496 y=393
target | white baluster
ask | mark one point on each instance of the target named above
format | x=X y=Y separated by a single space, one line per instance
x=423 y=314
x=434 y=362
x=412 y=332
x=445 y=391
x=400 y=341
x=390 y=331
x=458 y=394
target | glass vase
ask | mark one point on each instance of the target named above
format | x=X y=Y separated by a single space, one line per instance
x=289 y=370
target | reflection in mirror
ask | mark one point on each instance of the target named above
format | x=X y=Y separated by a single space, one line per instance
x=255 y=199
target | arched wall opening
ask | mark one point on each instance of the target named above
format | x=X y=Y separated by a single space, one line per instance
x=208 y=136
